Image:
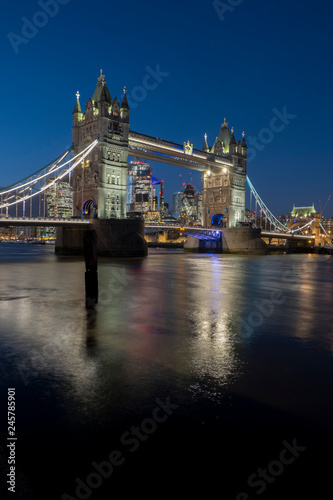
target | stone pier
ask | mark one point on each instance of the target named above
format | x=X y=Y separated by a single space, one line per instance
x=115 y=238
x=244 y=240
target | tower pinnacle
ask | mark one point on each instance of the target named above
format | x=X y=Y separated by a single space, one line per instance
x=101 y=76
x=77 y=108
x=205 y=146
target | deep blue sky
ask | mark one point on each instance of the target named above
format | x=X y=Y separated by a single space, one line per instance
x=263 y=55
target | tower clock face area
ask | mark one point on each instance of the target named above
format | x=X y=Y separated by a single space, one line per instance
x=99 y=187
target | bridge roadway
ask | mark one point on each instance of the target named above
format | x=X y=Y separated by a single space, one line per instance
x=195 y=229
x=286 y=236
x=205 y=232
x=155 y=149
x=43 y=221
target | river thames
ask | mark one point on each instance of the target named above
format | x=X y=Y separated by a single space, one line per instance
x=206 y=375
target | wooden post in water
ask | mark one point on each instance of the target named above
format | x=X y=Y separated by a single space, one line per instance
x=91 y=278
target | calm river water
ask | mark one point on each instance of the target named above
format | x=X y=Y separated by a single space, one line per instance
x=196 y=375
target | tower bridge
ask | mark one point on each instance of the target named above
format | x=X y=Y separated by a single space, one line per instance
x=103 y=181
x=97 y=170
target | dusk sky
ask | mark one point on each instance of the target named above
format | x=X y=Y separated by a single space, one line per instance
x=249 y=62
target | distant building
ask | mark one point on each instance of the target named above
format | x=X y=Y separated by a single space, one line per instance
x=198 y=202
x=166 y=210
x=328 y=225
x=139 y=187
x=59 y=200
x=303 y=212
x=177 y=201
x=189 y=212
x=153 y=216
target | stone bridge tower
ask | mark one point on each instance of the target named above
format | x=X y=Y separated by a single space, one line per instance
x=224 y=188
x=99 y=186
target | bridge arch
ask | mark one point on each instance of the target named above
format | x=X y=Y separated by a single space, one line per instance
x=88 y=207
x=217 y=219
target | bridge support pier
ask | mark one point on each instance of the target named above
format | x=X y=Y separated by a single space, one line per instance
x=196 y=245
x=115 y=238
x=296 y=246
x=244 y=240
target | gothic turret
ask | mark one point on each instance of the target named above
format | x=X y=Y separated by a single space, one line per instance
x=103 y=185
x=124 y=108
x=244 y=145
x=77 y=113
x=205 y=147
x=224 y=187
x=101 y=87
x=225 y=136
x=232 y=145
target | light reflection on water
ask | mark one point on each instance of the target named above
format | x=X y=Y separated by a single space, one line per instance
x=172 y=323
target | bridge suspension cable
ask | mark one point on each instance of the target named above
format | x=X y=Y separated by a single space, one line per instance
x=43 y=179
x=268 y=214
x=322 y=227
x=271 y=217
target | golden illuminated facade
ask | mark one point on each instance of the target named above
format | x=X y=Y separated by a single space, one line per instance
x=224 y=188
x=99 y=187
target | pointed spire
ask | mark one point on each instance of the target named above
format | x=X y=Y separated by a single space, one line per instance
x=101 y=88
x=77 y=108
x=205 y=146
x=244 y=141
x=124 y=104
x=232 y=138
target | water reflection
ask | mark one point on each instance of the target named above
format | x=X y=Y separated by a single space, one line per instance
x=171 y=315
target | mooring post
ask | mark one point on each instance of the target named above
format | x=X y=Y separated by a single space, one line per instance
x=90 y=256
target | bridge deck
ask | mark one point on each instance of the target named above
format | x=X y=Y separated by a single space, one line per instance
x=43 y=221
x=152 y=148
x=61 y=222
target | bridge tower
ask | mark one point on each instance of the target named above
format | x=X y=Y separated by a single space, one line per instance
x=224 y=188
x=99 y=187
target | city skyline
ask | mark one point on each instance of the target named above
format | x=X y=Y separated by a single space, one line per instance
x=255 y=66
